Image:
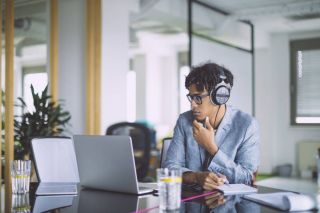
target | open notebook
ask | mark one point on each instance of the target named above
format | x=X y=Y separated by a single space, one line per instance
x=286 y=201
x=232 y=189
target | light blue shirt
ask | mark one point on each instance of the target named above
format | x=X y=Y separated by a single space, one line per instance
x=237 y=138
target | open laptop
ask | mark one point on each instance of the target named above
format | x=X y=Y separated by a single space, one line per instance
x=107 y=162
x=56 y=165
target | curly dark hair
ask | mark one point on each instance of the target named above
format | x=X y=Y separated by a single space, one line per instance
x=207 y=76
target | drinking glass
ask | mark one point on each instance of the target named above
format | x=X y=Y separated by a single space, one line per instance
x=169 y=185
x=20 y=176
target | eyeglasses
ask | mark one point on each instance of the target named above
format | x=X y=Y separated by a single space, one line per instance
x=196 y=98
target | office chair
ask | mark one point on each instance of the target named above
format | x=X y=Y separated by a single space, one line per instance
x=141 y=139
x=164 y=149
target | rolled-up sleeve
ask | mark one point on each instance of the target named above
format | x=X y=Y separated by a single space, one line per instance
x=241 y=169
x=176 y=152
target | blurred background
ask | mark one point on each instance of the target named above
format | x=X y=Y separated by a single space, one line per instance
x=146 y=48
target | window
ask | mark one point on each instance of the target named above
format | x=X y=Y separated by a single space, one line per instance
x=37 y=76
x=305 y=82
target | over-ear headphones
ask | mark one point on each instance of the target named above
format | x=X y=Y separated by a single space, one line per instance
x=221 y=93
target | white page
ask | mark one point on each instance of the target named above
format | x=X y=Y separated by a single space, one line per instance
x=231 y=189
x=286 y=201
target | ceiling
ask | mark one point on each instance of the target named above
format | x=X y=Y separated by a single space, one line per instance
x=268 y=16
x=30 y=20
x=170 y=16
x=274 y=15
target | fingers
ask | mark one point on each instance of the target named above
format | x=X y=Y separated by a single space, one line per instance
x=223 y=177
x=211 y=181
x=216 y=178
x=212 y=196
x=215 y=202
x=196 y=124
x=208 y=125
x=210 y=186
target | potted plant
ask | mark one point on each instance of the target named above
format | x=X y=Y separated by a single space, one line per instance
x=47 y=119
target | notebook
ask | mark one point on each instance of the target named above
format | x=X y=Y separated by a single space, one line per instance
x=232 y=189
x=56 y=166
x=286 y=201
x=107 y=162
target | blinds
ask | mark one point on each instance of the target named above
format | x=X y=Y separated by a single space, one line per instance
x=308 y=85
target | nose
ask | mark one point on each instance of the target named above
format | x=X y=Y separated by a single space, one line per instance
x=193 y=104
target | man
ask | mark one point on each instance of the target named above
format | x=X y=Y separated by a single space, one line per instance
x=213 y=142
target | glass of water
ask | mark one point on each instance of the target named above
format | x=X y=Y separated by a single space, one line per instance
x=20 y=176
x=20 y=203
x=169 y=186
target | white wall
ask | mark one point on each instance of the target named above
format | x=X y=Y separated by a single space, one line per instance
x=139 y=66
x=115 y=61
x=71 y=70
x=72 y=46
x=278 y=137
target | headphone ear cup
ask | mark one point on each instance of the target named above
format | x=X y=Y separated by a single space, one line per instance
x=222 y=95
x=212 y=96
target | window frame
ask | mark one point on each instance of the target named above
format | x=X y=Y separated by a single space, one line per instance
x=298 y=45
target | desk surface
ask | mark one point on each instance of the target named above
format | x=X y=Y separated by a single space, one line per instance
x=305 y=186
x=103 y=201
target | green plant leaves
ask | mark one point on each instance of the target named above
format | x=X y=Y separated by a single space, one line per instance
x=48 y=119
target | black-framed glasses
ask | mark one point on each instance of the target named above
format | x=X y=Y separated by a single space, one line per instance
x=196 y=98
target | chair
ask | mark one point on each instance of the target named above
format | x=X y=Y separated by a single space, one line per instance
x=164 y=149
x=141 y=138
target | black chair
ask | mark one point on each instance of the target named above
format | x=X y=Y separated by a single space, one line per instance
x=141 y=139
x=165 y=145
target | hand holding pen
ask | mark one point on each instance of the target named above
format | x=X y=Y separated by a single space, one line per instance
x=225 y=180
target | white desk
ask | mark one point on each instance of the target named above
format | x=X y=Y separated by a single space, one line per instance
x=306 y=186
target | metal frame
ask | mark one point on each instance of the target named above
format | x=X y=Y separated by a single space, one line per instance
x=190 y=34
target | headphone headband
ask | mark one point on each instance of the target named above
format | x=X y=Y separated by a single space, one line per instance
x=221 y=93
x=222 y=76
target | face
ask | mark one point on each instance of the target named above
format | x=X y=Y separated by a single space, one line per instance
x=206 y=108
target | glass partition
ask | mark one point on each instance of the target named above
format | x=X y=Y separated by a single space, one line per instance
x=218 y=38
x=31 y=25
x=158 y=39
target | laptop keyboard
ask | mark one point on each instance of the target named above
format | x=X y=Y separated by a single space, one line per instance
x=57 y=189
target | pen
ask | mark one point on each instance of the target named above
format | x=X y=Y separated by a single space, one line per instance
x=225 y=180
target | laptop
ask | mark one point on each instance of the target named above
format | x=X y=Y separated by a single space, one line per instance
x=56 y=166
x=107 y=162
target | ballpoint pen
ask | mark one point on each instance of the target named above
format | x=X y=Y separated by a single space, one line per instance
x=225 y=180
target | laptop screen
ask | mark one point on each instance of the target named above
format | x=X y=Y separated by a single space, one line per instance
x=55 y=160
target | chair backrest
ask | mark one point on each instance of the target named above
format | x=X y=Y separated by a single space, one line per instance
x=141 y=138
x=164 y=149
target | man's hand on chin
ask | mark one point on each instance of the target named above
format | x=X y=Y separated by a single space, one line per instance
x=205 y=136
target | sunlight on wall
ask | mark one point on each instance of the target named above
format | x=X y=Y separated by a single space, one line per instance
x=131 y=96
x=184 y=103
